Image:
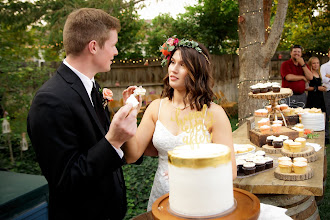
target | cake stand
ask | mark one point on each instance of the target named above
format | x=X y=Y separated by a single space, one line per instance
x=273 y=98
x=248 y=207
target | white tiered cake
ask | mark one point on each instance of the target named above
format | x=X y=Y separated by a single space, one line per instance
x=314 y=121
x=200 y=180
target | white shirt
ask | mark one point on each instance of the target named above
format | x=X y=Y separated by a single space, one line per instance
x=88 y=84
x=325 y=69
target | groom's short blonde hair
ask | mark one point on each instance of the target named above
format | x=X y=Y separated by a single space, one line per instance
x=84 y=25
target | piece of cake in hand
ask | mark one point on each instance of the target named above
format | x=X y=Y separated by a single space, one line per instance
x=139 y=91
x=132 y=99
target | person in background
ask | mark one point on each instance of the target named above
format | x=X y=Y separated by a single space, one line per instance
x=185 y=113
x=77 y=148
x=325 y=73
x=315 y=90
x=295 y=73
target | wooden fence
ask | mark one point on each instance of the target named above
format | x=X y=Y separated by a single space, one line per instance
x=225 y=73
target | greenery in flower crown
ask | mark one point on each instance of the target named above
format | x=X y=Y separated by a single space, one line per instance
x=173 y=42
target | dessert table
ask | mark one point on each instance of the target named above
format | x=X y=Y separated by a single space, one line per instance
x=297 y=196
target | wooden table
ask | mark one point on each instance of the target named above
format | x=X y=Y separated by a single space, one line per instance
x=287 y=194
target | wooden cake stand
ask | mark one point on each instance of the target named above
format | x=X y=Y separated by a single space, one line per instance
x=248 y=207
x=293 y=176
x=274 y=97
x=308 y=152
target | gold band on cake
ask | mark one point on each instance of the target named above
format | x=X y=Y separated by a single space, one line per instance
x=190 y=162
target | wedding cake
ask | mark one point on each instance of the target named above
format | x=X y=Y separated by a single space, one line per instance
x=200 y=180
x=314 y=121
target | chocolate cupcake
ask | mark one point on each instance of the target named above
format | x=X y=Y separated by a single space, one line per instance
x=270 y=139
x=276 y=89
x=269 y=162
x=249 y=168
x=260 y=164
x=263 y=88
x=278 y=142
x=239 y=164
x=255 y=89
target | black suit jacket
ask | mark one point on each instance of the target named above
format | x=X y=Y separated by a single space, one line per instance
x=82 y=169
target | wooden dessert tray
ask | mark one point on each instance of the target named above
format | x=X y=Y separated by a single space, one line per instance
x=284 y=92
x=293 y=176
x=273 y=98
x=248 y=207
x=309 y=153
x=271 y=149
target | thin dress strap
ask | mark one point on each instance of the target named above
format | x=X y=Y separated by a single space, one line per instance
x=205 y=116
x=160 y=105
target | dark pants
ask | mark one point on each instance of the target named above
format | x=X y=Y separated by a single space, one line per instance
x=326 y=96
x=296 y=101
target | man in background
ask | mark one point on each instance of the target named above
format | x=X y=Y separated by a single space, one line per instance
x=295 y=74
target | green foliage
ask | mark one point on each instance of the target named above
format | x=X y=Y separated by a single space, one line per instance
x=139 y=180
x=307 y=24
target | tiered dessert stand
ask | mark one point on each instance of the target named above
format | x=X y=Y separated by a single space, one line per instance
x=273 y=98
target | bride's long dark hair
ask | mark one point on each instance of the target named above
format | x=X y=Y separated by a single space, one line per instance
x=200 y=81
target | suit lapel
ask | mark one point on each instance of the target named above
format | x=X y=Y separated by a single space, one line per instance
x=70 y=77
x=106 y=112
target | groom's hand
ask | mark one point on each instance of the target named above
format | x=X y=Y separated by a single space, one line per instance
x=123 y=126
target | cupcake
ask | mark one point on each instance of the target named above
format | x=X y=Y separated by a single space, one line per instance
x=277 y=142
x=285 y=166
x=249 y=168
x=269 y=108
x=299 y=159
x=286 y=144
x=239 y=164
x=255 y=89
x=269 y=162
x=276 y=88
x=301 y=132
x=261 y=112
x=284 y=137
x=270 y=139
x=269 y=87
x=263 y=121
x=278 y=122
x=283 y=107
x=276 y=128
x=300 y=167
x=260 y=164
x=280 y=159
x=295 y=147
x=302 y=141
x=265 y=129
x=263 y=88
x=260 y=153
x=299 y=126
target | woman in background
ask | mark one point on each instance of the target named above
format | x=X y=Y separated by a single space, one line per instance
x=315 y=90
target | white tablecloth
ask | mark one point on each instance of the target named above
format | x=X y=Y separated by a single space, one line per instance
x=270 y=212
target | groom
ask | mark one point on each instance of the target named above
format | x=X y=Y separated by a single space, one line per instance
x=78 y=152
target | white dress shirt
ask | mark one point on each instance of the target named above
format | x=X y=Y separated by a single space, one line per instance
x=325 y=69
x=88 y=84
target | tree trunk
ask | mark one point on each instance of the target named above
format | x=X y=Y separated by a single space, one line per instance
x=254 y=53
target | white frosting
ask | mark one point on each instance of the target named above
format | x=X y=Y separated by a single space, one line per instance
x=132 y=100
x=203 y=191
x=314 y=121
x=139 y=91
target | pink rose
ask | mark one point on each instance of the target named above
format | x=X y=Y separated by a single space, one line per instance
x=107 y=94
x=170 y=41
x=176 y=41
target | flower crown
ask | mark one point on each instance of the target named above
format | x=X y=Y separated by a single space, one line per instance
x=174 y=42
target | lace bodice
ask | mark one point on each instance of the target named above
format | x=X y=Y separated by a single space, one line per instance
x=163 y=140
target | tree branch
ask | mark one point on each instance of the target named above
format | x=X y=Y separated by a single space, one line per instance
x=269 y=48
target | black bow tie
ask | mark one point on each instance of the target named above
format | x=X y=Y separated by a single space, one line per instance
x=98 y=106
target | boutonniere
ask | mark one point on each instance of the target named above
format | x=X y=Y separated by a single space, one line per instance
x=107 y=96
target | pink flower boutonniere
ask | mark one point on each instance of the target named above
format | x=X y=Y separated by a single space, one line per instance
x=107 y=96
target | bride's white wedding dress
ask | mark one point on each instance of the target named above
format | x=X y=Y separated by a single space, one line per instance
x=163 y=140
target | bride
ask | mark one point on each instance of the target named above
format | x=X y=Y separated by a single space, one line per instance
x=185 y=114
